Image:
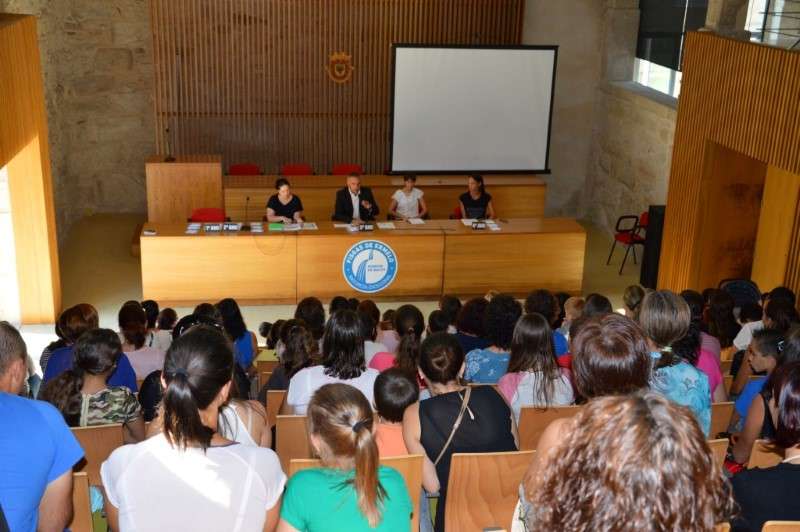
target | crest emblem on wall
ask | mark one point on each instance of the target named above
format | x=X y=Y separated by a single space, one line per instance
x=340 y=67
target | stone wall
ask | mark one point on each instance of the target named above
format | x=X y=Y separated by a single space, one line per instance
x=98 y=79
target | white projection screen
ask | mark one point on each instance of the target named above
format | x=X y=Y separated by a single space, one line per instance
x=471 y=109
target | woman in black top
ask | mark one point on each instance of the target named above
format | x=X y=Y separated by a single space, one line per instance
x=487 y=425
x=476 y=202
x=284 y=206
x=770 y=494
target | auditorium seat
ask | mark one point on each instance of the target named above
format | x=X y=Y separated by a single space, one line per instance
x=781 y=526
x=297 y=169
x=98 y=443
x=763 y=455
x=719 y=448
x=628 y=232
x=275 y=400
x=291 y=439
x=483 y=489
x=244 y=169
x=208 y=215
x=720 y=417
x=533 y=421
x=347 y=169
x=81 y=504
x=409 y=466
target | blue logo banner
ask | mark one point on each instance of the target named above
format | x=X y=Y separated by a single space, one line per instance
x=369 y=266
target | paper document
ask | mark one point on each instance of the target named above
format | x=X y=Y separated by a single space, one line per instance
x=385 y=225
x=468 y=221
x=416 y=221
x=310 y=226
x=353 y=228
x=292 y=227
x=340 y=226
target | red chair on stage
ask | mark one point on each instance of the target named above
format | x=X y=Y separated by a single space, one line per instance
x=208 y=215
x=628 y=232
x=347 y=169
x=297 y=169
x=244 y=169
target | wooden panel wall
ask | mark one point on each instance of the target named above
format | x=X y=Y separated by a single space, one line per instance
x=247 y=78
x=25 y=152
x=744 y=97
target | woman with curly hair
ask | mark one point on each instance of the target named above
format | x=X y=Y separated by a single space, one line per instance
x=637 y=462
x=488 y=365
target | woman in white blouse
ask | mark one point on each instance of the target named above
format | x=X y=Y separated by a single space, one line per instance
x=408 y=202
x=189 y=477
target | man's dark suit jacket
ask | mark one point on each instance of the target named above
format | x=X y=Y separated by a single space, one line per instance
x=343 y=211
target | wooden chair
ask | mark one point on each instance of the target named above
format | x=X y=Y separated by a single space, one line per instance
x=720 y=417
x=533 y=421
x=263 y=378
x=781 y=526
x=719 y=448
x=764 y=455
x=98 y=443
x=275 y=400
x=727 y=353
x=409 y=466
x=483 y=489
x=725 y=367
x=727 y=381
x=722 y=527
x=291 y=439
x=81 y=504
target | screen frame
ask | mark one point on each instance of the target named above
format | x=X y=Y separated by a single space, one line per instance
x=397 y=46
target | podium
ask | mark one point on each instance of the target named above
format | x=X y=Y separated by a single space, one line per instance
x=175 y=189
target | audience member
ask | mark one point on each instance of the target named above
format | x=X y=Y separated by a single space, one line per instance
x=167 y=319
x=632 y=298
x=471 y=332
x=544 y=303
x=534 y=378
x=263 y=331
x=457 y=418
x=387 y=335
x=296 y=350
x=134 y=335
x=410 y=324
x=207 y=310
x=311 y=311
x=596 y=305
x=275 y=333
x=758 y=424
x=451 y=306
x=488 y=365
x=245 y=344
x=689 y=349
x=394 y=392
x=742 y=339
x=351 y=491
x=142 y=494
x=352 y=303
x=748 y=313
x=573 y=310
x=408 y=202
x=476 y=203
x=780 y=315
x=78 y=320
x=369 y=326
x=770 y=494
x=719 y=318
x=437 y=322
x=56 y=344
x=342 y=361
x=82 y=394
x=697 y=307
x=665 y=319
x=561 y=299
x=764 y=354
x=636 y=462
x=244 y=422
x=156 y=336
x=37 y=449
x=338 y=303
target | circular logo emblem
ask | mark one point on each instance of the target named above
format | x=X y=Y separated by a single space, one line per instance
x=369 y=266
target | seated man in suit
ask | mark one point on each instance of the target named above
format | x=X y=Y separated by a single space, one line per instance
x=355 y=203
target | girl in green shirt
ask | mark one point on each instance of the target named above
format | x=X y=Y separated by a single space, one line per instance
x=352 y=491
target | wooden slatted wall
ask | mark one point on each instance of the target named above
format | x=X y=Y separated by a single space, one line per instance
x=745 y=97
x=247 y=78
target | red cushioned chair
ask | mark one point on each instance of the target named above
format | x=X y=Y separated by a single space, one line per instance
x=208 y=215
x=628 y=232
x=244 y=169
x=297 y=169
x=347 y=169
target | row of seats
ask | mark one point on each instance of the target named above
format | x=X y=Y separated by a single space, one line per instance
x=295 y=169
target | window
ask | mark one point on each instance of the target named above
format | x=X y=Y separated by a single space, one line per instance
x=657 y=77
x=774 y=22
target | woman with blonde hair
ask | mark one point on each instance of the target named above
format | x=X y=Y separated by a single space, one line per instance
x=351 y=491
x=618 y=446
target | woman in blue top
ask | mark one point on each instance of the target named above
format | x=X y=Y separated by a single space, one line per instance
x=665 y=318
x=488 y=365
x=351 y=491
x=244 y=341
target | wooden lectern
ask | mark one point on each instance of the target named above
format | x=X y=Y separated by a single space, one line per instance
x=175 y=189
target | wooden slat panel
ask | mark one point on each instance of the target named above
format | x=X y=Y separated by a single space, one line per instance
x=247 y=79
x=742 y=97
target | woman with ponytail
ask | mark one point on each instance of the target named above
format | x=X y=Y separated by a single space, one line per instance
x=351 y=491
x=137 y=341
x=409 y=324
x=83 y=395
x=188 y=477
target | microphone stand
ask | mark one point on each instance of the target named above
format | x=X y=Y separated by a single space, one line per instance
x=246 y=224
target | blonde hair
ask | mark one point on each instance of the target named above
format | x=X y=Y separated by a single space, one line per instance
x=573 y=308
x=341 y=417
x=665 y=318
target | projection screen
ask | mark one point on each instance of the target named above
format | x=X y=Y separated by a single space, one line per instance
x=465 y=109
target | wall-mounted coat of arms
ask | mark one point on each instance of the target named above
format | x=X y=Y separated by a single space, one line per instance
x=340 y=67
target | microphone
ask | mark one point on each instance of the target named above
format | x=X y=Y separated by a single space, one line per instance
x=246 y=224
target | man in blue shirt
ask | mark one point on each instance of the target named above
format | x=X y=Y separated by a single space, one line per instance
x=37 y=449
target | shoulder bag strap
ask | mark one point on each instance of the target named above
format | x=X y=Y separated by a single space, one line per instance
x=464 y=404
